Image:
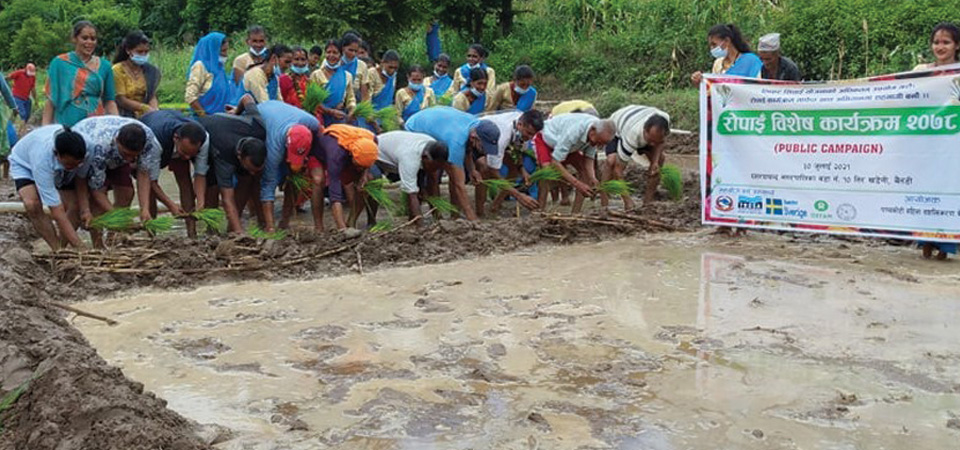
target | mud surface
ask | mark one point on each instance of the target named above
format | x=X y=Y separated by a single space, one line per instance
x=665 y=342
x=77 y=401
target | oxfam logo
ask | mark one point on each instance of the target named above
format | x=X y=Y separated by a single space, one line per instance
x=821 y=205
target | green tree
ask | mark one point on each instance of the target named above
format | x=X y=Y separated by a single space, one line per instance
x=38 y=41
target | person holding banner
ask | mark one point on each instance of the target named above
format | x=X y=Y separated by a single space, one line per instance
x=732 y=53
x=945 y=46
x=775 y=65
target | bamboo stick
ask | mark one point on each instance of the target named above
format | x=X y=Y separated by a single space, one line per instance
x=83 y=313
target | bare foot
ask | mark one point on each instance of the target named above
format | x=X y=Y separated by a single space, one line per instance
x=927 y=250
x=941 y=255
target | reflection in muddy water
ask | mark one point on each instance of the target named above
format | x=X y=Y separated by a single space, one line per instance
x=672 y=342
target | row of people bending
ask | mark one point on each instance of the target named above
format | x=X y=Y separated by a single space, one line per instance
x=238 y=160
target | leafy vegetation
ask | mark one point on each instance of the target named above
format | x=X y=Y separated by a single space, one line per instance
x=615 y=188
x=213 y=218
x=162 y=224
x=119 y=219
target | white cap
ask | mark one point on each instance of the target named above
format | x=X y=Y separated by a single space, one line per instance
x=769 y=43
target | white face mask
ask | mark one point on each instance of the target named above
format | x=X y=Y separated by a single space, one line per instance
x=438 y=74
x=520 y=90
x=327 y=65
x=223 y=60
x=385 y=74
x=475 y=92
x=474 y=66
x=260 y=53
x=718 y=52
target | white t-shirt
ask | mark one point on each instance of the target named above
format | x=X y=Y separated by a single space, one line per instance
x=631 y=121
x=401 y=152
x=506 y=122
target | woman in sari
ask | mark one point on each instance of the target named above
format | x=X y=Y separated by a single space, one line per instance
x=518 y=94
x=339 y=105
x=136 y=79
x=476 y=59
x=357 y=68
x=79 y=84
x=415 y=97
x=209 y=89
x=440 y=82
x=474 y=99
x=293 y=86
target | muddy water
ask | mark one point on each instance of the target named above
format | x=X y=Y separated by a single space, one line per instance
x=673 y=342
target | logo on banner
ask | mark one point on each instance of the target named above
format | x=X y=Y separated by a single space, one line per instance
x=846 y=212
x=750 y=204
x=774 y=206
x=724 y=203
x=821 y=206
x=781 y=207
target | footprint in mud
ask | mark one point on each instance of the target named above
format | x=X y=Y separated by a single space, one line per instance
x=254 y=368
x=428 y=305
x=435 y=286
x=203 y=348
x=323 y=332
x=398 y=324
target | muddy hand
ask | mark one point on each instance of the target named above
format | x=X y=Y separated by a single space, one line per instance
x=528 y=202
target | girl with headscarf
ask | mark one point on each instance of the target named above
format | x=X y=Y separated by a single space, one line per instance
x=474 y=99
x=518 y=94
x=79 y=84
x=136 y=79
x=209 y=89
x=476 y=59
x=338 y=82
x=440 y=82
x=415 y=97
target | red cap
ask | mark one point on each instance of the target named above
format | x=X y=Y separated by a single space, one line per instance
x=299 y=140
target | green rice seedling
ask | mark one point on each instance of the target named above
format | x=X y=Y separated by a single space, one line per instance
x=445 y=99
x=615 y=188
x=119 y=219
x=258 y=233
x=672 y=180
x=314 y=97
x=497 y=185
x=162 y=224
x=376 y=190
x=299 y=181
x=381 y=226
x=389 y=118
x=212 y=218
x=546 y=173
x=442 y=205
x=364 y=110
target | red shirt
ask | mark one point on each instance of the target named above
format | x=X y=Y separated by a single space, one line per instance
x=23 y=84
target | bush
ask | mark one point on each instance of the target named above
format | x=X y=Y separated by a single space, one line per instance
x=38 y=41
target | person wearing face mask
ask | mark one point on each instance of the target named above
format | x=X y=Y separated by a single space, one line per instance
x=79 y=83
x=208 y=88
x=339 y=105
x=357 y=68
x=440 y=82
x=476 y=59
x=115 y=145
x=732 y=54
x=262 y=82
x=383 y=86
x=136 y=79
x=518 y=94
x=415 y=97
x=293 y=85
x=473 y=100
x=257 y=41
x=182 y=142
x=43 y=166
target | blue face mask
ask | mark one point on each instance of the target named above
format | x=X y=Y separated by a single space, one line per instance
x=718 y=52
x=348 y=60
x=475 y=92
x=520 y=90
x=327 y=65
x=415 y=87
x=277 y=71
x=140 y=59
x=254 y=52
x=300 y=70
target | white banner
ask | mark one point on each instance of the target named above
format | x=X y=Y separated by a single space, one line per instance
x=877 y=157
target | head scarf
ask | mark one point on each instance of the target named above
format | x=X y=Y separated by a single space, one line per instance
x=207 y=51
x=361 y=143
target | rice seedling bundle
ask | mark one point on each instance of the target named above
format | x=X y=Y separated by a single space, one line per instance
x=672 y=180
x=364 y=110
x=442 y=205
x=445 y=99
x=212 y=218
x=376 y=190
x=299 y=181
x=162 y=224
x=615 y=188
x=389 y=118
x=258 y=233
x=546 y=173
x=381 y=226
x=497 y=185
x=119 y=219
x=314 y=97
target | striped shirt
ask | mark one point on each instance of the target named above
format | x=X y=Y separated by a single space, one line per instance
x=631 y=121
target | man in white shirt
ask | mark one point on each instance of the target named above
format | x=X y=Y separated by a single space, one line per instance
x=415 y=159
x=573 y=139
x=641 y=131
